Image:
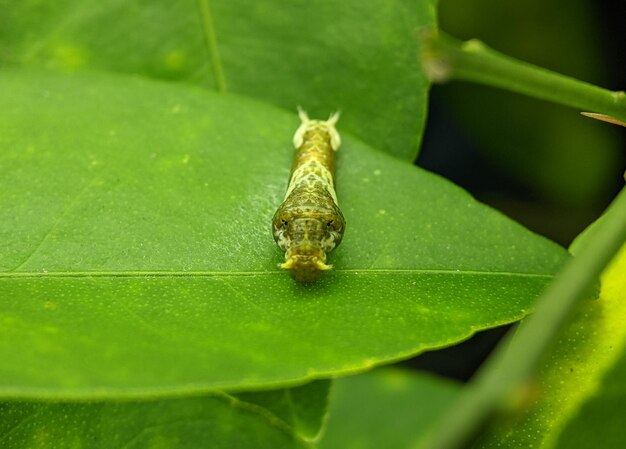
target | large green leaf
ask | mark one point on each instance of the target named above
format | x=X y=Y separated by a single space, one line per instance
x=360 y=57
x=577 y=399
x=215 y=421
x=387 y=408
x=600 y=420
x=138 y=259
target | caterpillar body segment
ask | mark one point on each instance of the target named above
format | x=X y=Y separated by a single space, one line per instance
x=309 y=224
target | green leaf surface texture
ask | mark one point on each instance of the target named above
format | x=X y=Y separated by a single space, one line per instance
x=304 y=407
x=359 y=57
x=213 y=421
x=387 y=408
x=577 y=400
x=137 y=256
x=600 y=420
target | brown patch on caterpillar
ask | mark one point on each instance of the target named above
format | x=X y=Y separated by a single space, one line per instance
x=309 y=225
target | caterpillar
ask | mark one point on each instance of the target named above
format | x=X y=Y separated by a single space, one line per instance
x=309 y=224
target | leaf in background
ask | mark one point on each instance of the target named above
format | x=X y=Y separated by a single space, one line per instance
x=360 y=57
x=600 y=420
x=215 y=421
x=574 y=393
x=387 y=408
x=138 y=257
x=549 y=149
x=304 y=407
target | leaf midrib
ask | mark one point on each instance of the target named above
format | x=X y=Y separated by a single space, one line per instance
x=185 y=274
x=208 y=30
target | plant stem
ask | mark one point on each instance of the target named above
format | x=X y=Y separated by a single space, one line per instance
x=445 y=58
x=211 y=41
x=510 y=369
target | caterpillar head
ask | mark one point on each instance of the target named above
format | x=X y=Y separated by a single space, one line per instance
x=306 y=241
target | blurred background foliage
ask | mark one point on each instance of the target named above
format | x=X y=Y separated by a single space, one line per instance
x=542 y=164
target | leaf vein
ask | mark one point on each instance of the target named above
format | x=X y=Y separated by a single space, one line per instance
x=186 y=274
x=20 y=424
x=56 y=223
x=210 y=38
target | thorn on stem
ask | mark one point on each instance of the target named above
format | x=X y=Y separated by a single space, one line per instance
x=604 y=118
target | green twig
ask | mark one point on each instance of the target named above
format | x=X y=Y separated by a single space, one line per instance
x=211 y=41
x=445 y=58
x=510 y=369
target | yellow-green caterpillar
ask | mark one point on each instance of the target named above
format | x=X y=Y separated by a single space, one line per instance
x=309 y=225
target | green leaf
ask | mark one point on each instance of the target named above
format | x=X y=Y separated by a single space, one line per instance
x=215 y=421
x=600 y=420
x=138 y=257
x=387 y=408
x=574 y=403
x=360 y=57
x=304 y=407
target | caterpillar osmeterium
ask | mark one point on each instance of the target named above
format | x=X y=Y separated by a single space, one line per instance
x=309 y=225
